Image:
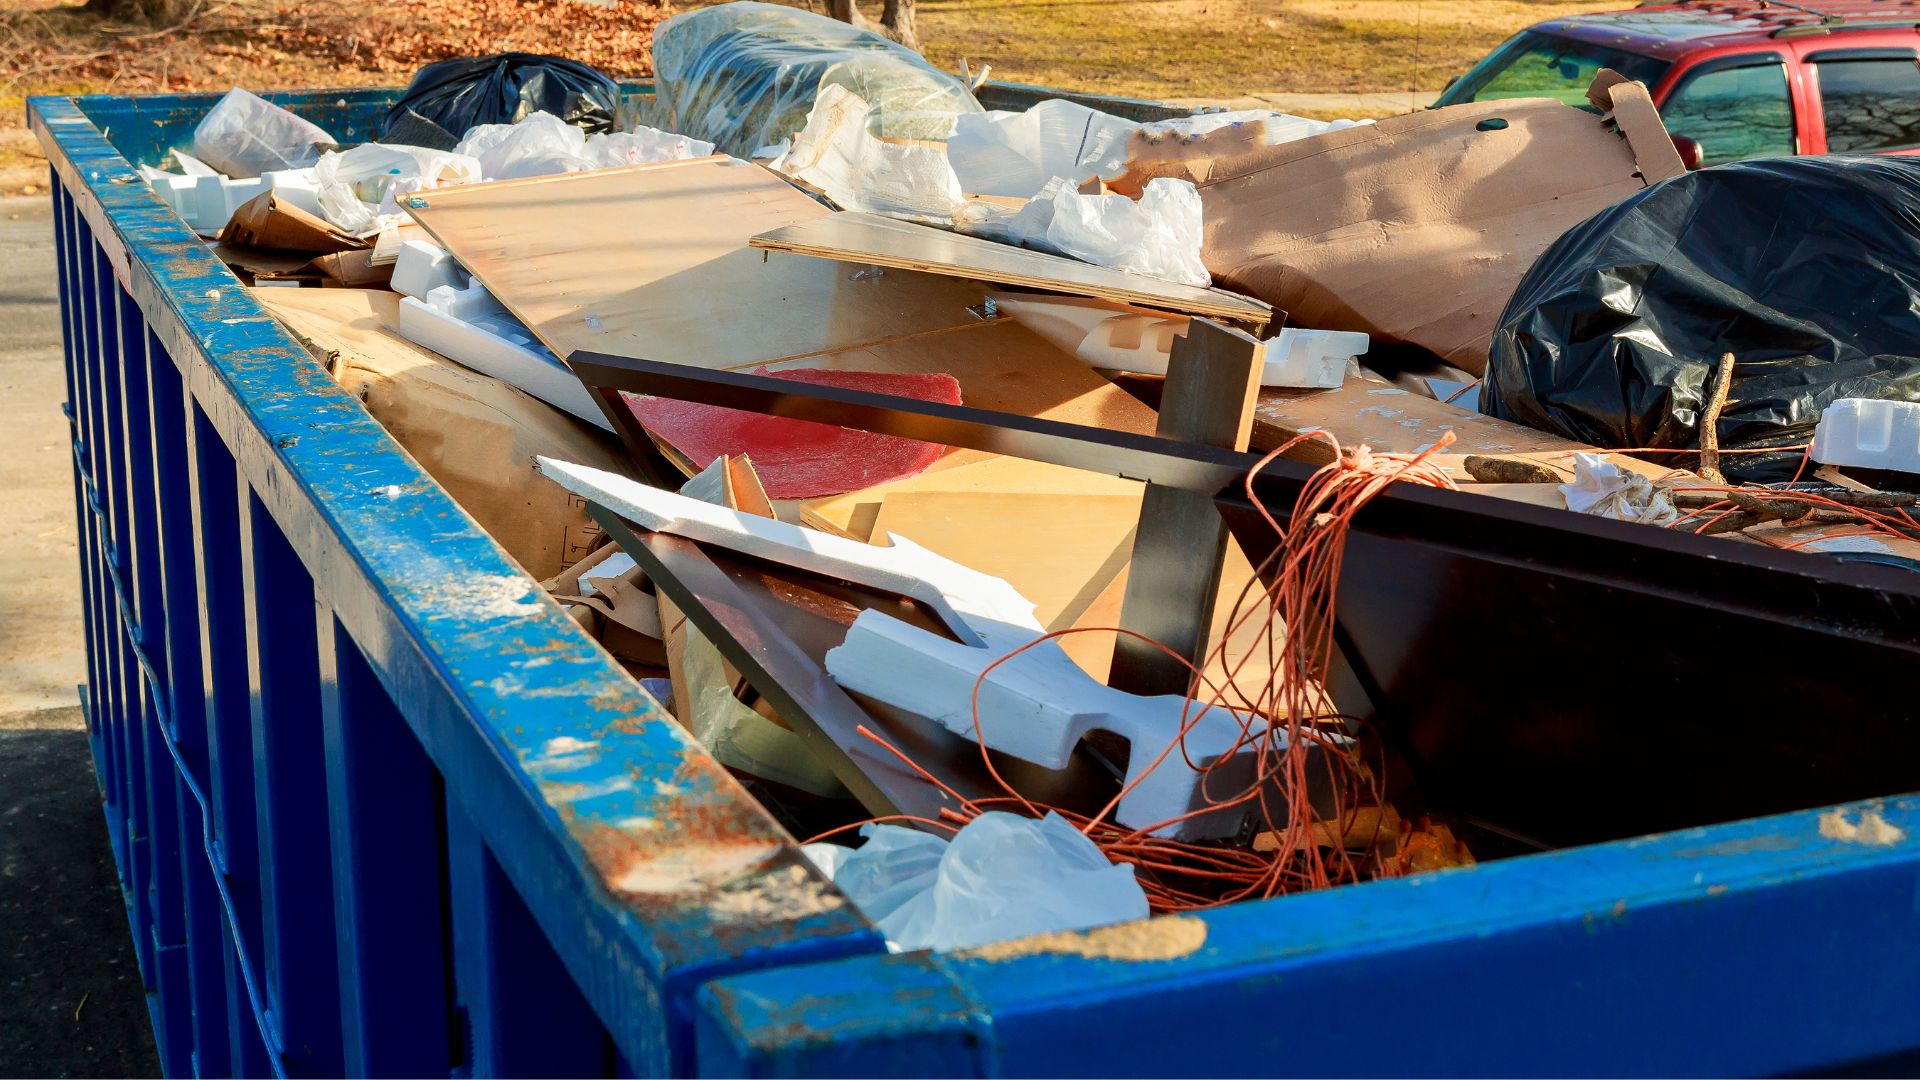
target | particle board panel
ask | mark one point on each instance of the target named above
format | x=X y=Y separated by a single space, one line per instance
x=870 y=239
x=653 y=261
x=965 y=471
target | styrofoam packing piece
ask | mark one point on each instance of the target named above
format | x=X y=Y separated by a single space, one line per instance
x=1141 y=341
x=1036 y=705
x=1869 y=433
x=489 y=340
x=423 y=266
x=206 y=200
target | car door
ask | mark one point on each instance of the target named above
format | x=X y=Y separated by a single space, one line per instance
x=1735 y=105
x=1866 y=98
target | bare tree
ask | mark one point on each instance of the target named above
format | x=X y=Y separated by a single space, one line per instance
x=896 y=19
x=159 y=12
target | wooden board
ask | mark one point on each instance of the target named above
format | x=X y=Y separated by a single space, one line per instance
x=870 y=239
x=966 y=471
x=1068 y=553
x=1388 y=418
x=652 y=261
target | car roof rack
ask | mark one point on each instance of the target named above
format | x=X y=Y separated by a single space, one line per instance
x=1798 y=20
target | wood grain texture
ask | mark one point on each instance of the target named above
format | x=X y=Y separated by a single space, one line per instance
x=881 y=241
x=652 y=261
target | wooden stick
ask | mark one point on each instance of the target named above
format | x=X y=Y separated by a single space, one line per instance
x=1710 y=421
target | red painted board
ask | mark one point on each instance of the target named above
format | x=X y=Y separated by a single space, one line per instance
x=801 y=459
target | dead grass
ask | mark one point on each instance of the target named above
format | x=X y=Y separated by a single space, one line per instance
x=1224 y=48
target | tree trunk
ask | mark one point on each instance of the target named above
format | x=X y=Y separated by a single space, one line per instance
x=896 y=21
x=848 y=12
x=158 y=12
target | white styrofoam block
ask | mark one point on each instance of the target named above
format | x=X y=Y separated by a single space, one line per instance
x=1869 y=433
x=206 y=201
x=423 y=266
x=1035 y=706
x=503 y=349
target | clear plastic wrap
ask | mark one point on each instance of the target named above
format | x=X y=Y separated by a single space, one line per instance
x=744 y=75
x=1157 y=236
x=1003 y=876
x=543 y=144
x=1016 y=153
x=358 y=187
x=835 y=154
x=244 y=135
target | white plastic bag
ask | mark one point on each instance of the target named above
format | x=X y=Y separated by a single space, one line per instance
x=1158 y=236
x=1002 y=876
x=359 y=187
x=244 y=135
x=835 y=154
x=1016 y=153
x=539 y=145
x=1604 y=488
x=643 y=146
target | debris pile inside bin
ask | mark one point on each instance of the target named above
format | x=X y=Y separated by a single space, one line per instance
x=601 y=322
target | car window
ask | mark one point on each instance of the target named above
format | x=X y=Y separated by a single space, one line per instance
x=1540 y=65
x=1870 y=104
x=1734 y=113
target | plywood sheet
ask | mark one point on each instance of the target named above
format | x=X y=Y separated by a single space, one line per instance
x=653 y=261
x=870 y=239
x=971 y=471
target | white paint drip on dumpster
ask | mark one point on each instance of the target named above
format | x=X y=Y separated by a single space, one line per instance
x=1872 y=829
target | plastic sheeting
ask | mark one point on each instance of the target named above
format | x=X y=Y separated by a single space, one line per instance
x=835 y=154
x=543 y=144
x=244 y=135
x=358 y=188
x=1807 y=270
x=744 y=75
x=455 y=95
x=1002 y=876
x=1016 y=153
x=1157 y=236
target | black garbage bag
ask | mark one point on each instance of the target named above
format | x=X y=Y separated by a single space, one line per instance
x=1807 y=270
x=454 y=95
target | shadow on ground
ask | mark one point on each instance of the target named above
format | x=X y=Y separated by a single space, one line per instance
x=71 y=1002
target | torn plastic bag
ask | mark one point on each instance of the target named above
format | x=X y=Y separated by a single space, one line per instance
x=543 y=144
x=1157 y=236
x=358 y=187
x=1807 y=270
x=744 y=75
x=459 y=94
x=244 y=135
x=835 y=155
x=1002 y=876
x=1016 y=153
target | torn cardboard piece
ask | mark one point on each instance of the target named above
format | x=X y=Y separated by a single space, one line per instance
x=270 y=221
x=1416 y=229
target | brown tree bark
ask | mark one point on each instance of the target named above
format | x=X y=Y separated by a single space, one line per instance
x=848 y=12
x=159 y=12
x=896 y=21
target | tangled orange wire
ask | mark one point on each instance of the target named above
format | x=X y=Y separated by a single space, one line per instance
x=1289 y=723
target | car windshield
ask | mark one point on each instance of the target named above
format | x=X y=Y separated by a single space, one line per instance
x=1533 y=64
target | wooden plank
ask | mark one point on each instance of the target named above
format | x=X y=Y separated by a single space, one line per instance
x=1389 y=419
x=653 y=261
x=964 y=471
x=882 y=241
x=1213 y=376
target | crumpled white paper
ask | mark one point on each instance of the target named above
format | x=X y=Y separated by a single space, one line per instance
x=1002 y=876
x=1604 y=488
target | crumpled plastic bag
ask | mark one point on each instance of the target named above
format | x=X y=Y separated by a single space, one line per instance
x=1016 y=153
x=1157 y=236
x=543 y=144
x=1604 y=488
x=1002 y=876
x=359 y=187
x=835 y=154
x=244 y=135
x=744 y=75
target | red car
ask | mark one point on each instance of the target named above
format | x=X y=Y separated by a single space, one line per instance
x=1741 y=78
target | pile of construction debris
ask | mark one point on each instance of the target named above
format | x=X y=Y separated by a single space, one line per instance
x=598 y=333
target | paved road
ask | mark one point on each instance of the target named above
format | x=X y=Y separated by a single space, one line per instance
x=71 y=1002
